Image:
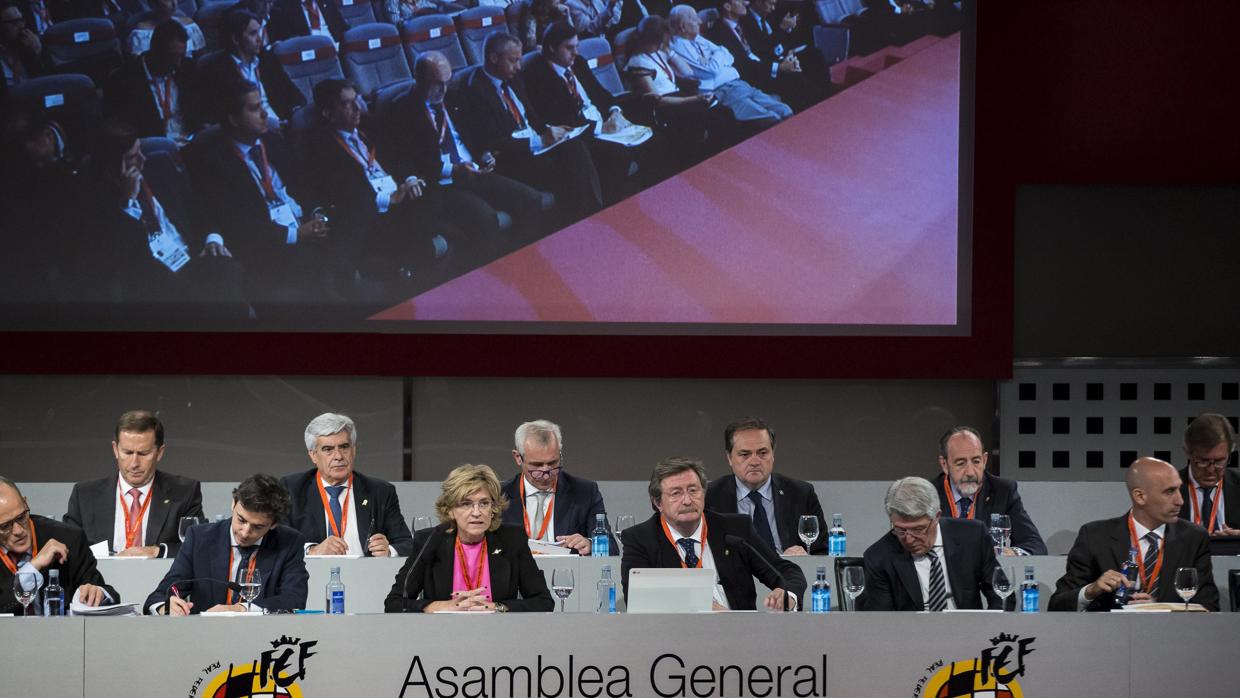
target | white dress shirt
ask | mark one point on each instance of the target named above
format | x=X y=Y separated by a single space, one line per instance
x=531 y=510
x=118 y=522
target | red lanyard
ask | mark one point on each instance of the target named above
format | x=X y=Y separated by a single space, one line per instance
x=1218 y=497
x=337 y=530
x=133 y=527
x=264 y=169
x=441 y=124
x=667 y=68
x=165 y=97
x=951 y=501
x=525 y=515
x=471 y=581
x=668 y=532
x=249 y=569
x=1136 y=545
x=312 y=13
x=34 y=549
x=369 y=164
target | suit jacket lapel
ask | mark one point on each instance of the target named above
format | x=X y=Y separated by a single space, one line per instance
x=564 y=505
x=1120 y=544
x=312 y=504
x=1171 y=562
x=729 y=496
x=903 y=563
x=363 y=508
x=501 y=573
x=158 y=514
x=444 y=569
x=788 y=535
x=952 y=560
x=106 y=500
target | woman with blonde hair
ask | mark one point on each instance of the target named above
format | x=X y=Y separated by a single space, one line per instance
x=470 y=561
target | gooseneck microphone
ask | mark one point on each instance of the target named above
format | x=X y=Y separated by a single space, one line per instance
x=783 y=583
x=422 y=558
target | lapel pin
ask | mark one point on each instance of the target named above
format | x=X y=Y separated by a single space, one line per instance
x=365 y=502
x=727 y=551
x=781 y=492
x=167 y=500
x=497 y=551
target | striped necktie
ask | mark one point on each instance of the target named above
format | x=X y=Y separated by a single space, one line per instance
x=938 y=587
x=1149 y=563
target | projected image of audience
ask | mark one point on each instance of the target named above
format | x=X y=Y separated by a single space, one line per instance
x=374 y=164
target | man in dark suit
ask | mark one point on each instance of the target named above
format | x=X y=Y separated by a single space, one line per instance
x=424 y=141
x=1211 y=491
x=21 y=51
x=774 y=502
x=144 y=524
x=37 y=544
x=1164 y=543
x=245 y=59
x=967 y=491
x=496 y=116
x=563 y=91
x=291 y=18
x=683 y=533
x=341 y=511
x=773 y=38
x=391 y=225
x=927 y=563
x=261 y=205
x=765 y=73
x=218 y=556
x=154 y=92
x=552 y=505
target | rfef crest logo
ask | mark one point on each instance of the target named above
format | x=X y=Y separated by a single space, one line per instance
x=275 y=674
x=992 y=674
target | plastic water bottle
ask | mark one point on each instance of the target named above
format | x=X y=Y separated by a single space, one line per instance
x=606 y=593
x=53 y=595
x=837 y=537
x=335 y=593
x=599 y=546
x=1030 y=595
x=820 y=594
x=1130 y=570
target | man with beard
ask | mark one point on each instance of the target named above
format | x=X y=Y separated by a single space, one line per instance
x=967 y=491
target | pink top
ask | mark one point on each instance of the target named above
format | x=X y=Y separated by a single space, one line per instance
x=471 y=563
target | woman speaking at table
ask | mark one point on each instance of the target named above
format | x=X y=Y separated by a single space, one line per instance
x=469 y=562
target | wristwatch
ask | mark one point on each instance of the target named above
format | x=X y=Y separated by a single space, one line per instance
x=500 y=608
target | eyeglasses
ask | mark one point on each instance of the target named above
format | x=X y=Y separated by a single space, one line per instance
x=915 y=532
x=1203 y=463
x=545 y=470
x=481 y=505
x=693 y=491
x=22 y=519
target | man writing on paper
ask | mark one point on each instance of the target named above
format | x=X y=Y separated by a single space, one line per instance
x=37 y=544
x=138 y=511
x=553 y=505
x=341 y=511
x=1211 y=492
x=1164 y=543
x=218 y=556
x=682 y=533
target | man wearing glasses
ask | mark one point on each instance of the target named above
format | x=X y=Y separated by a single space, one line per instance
x=36 y=544
x=1211 y=491
x=927 y=563
x=553 y=506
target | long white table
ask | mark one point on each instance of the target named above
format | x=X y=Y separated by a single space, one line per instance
x=368 y=580
x=847 y=655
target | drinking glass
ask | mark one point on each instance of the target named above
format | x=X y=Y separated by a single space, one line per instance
x=25 y=588
x=187 y=522
x=562 y=584
x=1003 y=522
x=251 y=585
x=1186 y=583
x=807 y=529
x=421 y=522
x=1002 y=580
x=854 y=583
x=623 y=521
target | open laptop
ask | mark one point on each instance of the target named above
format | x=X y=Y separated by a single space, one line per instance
x=671 y=590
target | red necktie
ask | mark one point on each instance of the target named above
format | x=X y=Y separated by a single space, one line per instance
x=135 y=513
x=572 y=85
x=512 y=106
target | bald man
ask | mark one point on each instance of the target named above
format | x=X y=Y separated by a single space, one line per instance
x=1165 y=541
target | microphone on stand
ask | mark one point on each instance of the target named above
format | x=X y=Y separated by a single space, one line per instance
x=783 y=583
x=421 y=558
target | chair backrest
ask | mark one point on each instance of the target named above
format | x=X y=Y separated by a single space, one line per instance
x=475 y=25
x=307 y=60
x=620 y=48
x=210 y=19
x=1233 y=589
x=596 y=52
x=844 y=603
x=829 y=11
x=832 y=43
x=153 y=145
x=373 y=56
x=88 y=46
x=53 y=93
x=356 y=12
x=383 y=102
x=853 y=8
x=433 y=33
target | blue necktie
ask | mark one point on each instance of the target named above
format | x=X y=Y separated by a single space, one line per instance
x=691 y=558
x=966 y=503
x=333 y=500
x=759 y=520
